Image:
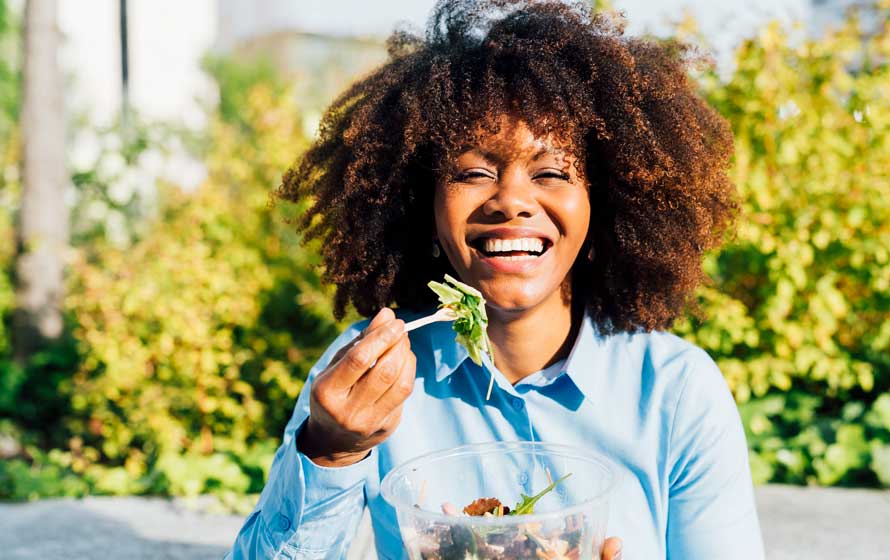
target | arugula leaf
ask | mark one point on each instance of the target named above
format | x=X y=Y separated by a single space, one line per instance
x=527 y=504
x=469 y=306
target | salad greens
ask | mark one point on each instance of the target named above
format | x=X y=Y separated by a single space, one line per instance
x=556 y=540
x=468 y=304
x=527 y=504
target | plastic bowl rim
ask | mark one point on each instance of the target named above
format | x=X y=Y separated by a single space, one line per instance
x=612 y=472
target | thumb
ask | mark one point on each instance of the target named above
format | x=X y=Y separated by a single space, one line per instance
x=612 y=549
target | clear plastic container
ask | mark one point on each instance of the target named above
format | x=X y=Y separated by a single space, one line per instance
x=567 y=523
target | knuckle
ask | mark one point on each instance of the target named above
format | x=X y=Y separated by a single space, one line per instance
x=405 y=386
x=387 y=375
x=318 y=391
x=320 y=398
x=359 y=358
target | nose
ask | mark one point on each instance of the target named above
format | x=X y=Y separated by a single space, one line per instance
x=514 y=197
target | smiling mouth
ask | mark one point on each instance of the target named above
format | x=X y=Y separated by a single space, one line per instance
x=507 y=252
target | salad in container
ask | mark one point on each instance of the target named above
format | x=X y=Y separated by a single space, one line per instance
x=518 y=500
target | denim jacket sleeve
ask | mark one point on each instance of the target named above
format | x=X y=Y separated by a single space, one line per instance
x=306 y=511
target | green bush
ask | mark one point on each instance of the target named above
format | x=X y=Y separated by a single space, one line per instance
x=189 y=343
x=195 y=340
x=798 y=315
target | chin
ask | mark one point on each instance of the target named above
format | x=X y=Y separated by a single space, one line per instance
x=513 y=299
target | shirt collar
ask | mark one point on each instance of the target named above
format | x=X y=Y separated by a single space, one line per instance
x=588 y=350
x=448 y=355
x=588 y=357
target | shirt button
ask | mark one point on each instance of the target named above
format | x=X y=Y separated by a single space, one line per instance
x=518 y=403
x=282 y=522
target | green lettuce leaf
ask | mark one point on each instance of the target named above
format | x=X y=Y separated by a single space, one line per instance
x=472 y=321
x=527 y=504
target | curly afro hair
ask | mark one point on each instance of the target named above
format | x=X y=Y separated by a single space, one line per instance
x=654 y=154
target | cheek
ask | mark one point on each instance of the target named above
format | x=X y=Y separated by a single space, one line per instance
x=574 y=215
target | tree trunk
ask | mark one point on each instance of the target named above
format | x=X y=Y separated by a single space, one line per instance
x=43 y=218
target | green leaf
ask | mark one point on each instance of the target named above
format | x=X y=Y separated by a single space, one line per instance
x=471 y=322
x=527 y=504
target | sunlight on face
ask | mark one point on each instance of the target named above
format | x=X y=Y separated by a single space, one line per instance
x=512 y=215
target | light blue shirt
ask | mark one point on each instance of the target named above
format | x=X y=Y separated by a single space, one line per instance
x=654 y=404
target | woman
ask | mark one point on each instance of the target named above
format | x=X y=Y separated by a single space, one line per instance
x=574 y=177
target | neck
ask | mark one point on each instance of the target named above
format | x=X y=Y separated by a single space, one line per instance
x=530 y=340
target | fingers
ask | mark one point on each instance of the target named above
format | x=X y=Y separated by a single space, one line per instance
x=612 y=549
x=391 y=421
x=366 y=352
x=383 y=316
x=401 y=389
x=383 y=375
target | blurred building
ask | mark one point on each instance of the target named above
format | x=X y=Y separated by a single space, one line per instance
x=166 y=40
x=320 y=44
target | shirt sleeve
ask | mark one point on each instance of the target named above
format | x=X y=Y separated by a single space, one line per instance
x=711 y=507
x=306 y=511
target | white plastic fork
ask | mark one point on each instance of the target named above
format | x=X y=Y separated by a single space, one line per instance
x=443 y=314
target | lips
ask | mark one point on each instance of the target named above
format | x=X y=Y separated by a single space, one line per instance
x=514 y=242
x=504 y=249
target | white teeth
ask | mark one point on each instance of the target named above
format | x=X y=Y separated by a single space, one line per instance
x=519 y=257
x=492 y=245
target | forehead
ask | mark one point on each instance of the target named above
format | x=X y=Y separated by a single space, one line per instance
x=510 y=138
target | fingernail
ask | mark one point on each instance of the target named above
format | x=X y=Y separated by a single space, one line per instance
x=617 y=555
x=397 y=326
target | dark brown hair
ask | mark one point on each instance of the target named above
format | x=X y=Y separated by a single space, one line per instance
x=655 y=154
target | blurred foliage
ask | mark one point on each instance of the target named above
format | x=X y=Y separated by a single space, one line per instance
x=798 y=315
x=192 y=340
x=196 y=338
x=10 y=73
x=115 y=171
x=235 y=79
x=190 y=333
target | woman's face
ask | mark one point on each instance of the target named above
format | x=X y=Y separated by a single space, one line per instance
x=512 y=215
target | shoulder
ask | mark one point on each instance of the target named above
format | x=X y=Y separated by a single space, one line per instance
x=700 y=415
x=691 y=384
x=674 y=360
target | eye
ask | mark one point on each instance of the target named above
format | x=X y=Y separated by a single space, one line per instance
x=473 y=176
x=552 y=174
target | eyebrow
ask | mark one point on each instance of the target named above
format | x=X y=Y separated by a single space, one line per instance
x=548 y=150
x=493 y=157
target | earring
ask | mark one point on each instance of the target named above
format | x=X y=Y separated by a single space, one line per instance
x=436 y=252
x=591 y=253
